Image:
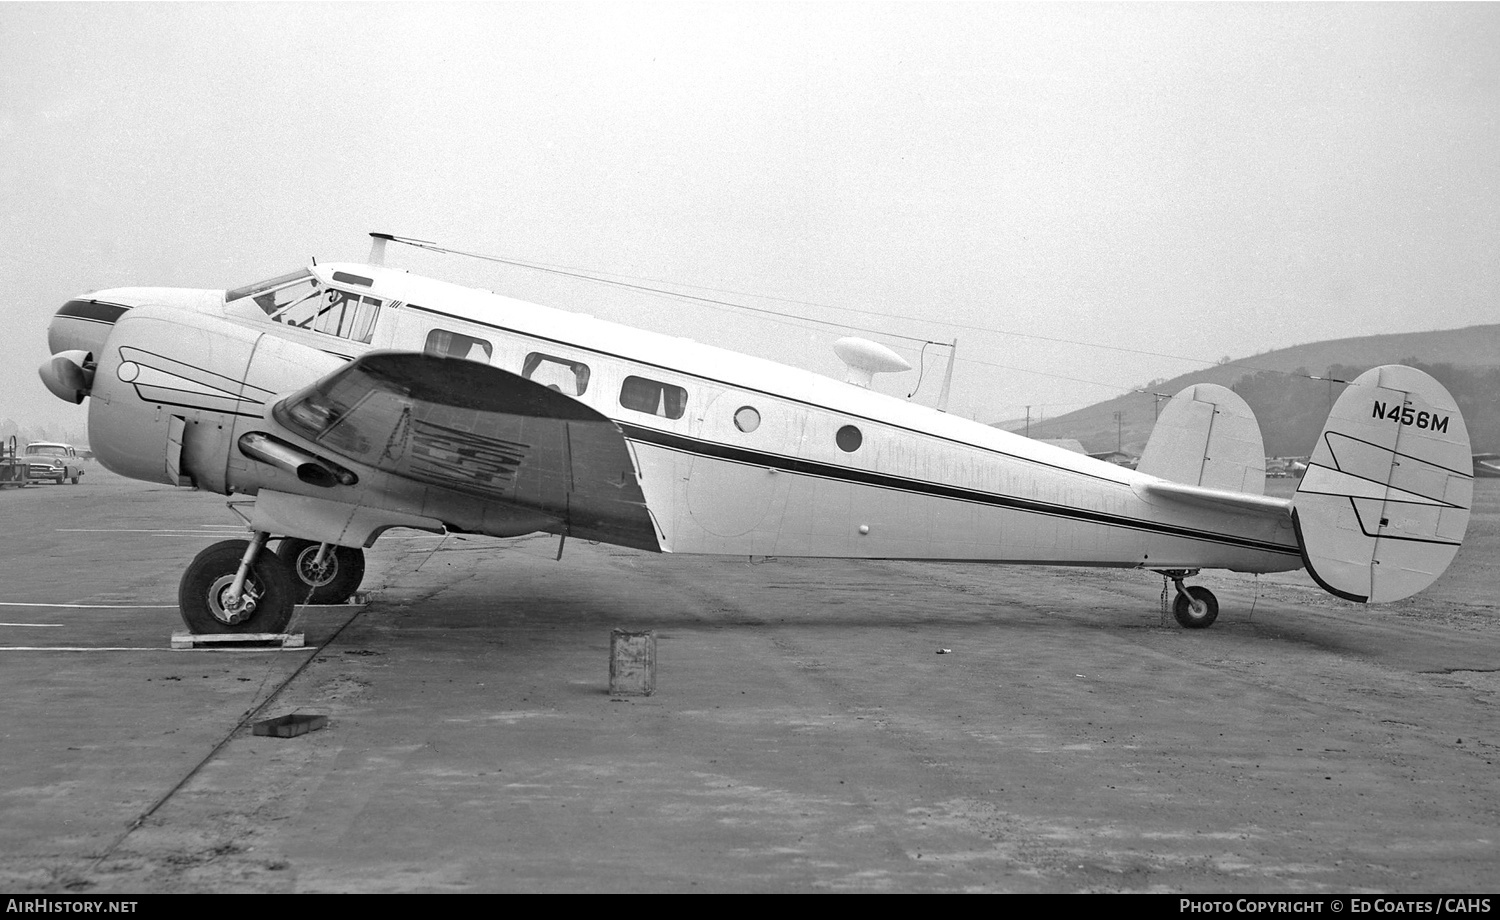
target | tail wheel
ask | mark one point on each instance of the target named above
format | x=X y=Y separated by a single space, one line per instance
x=333 y=582
x=268 y=595
x=1197 y=609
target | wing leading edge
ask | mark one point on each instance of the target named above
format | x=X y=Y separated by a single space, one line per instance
x=482 y=432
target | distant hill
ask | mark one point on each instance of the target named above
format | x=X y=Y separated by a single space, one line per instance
x=1291 y=409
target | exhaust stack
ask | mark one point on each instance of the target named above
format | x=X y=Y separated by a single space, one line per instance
x=313 y=470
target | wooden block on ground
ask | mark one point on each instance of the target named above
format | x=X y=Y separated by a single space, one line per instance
x=236 y=640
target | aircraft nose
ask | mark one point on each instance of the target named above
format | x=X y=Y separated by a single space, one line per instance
x=76 y=336
x=82 y=324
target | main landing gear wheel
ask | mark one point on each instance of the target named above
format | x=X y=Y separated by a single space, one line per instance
x=332 y=582
x=266 y=600
x=1197 y=609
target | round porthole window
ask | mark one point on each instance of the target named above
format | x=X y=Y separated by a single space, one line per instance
x=849 y=439
x=746 y=419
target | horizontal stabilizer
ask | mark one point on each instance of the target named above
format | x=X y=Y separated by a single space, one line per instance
x=1384 y=504
x=1207 y=436
x=1219 y=499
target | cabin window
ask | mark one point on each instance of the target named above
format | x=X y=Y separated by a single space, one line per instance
x=570 y=378
x=457 y=345
x=653 y=397
x=849 y=439
x=746 y=419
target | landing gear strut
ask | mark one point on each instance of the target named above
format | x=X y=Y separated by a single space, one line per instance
x=322 y=573
x=1195 y=607
x=234 y=587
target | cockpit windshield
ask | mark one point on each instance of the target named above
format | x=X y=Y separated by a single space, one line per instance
x=281 y=294
x=300 y=299
x=270 y=284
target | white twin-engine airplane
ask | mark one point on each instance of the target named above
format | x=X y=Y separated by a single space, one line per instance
x=352 y=398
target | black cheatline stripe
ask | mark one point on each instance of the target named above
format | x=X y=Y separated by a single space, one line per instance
x=1428 y=501
x=742 y=388
x=205 y=376
x=203 y=408
x=93 y=310
x=1466 y=474
x=187 y=394
x=1377 y=535
x=881 y=480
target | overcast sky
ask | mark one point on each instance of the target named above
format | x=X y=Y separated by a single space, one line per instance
x=1058 y=186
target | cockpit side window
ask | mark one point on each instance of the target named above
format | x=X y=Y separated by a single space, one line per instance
x=344 y=314
x=298 y=299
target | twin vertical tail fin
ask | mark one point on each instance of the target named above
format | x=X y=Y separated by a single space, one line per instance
x=1207 y=436
x=1384 y=504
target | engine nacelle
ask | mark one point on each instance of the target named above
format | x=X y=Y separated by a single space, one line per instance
x=175 y=389
x=85 y=322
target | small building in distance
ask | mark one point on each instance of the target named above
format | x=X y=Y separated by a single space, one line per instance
x=1073 y=444
x=1117 y=457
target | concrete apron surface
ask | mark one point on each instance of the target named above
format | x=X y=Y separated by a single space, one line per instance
x=805 y=734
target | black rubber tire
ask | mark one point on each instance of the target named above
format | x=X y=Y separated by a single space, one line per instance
x=210 y=573
x=346 y=569
x=1183 y=611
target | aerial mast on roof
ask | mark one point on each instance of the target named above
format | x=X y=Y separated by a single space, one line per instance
x=377 y=248
x=948 y=377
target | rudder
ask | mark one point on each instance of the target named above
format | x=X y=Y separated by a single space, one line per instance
x=1384 y=504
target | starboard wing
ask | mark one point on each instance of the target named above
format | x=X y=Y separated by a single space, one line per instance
x=481 y=431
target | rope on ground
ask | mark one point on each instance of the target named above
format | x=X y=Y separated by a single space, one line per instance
x=249 y=716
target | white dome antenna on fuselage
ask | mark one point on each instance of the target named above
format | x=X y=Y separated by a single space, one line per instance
x=864 y=359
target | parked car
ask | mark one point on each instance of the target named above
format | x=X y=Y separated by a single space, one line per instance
x=48 y=460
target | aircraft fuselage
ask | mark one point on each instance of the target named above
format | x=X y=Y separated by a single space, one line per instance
x=732 y=454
